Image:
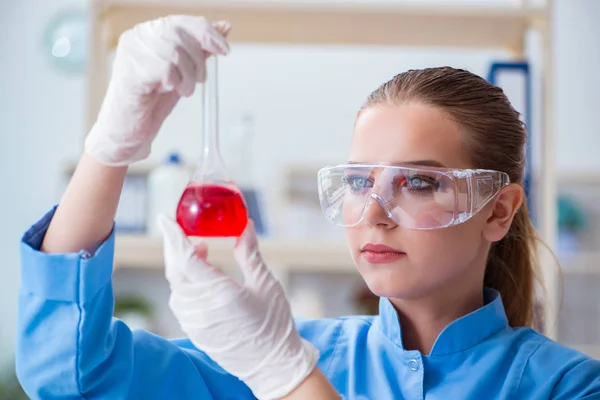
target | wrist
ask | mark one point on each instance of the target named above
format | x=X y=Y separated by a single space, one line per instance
x=280 y=375
x=316 y=387
x=108 y=147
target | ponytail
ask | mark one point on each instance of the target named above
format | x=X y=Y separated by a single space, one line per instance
x=512 y=269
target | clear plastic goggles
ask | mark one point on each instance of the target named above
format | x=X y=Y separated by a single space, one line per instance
x=414 y=197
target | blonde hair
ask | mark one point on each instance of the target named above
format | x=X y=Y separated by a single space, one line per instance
x=496 y=139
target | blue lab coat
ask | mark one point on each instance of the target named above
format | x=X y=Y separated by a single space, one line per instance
x=70 y=347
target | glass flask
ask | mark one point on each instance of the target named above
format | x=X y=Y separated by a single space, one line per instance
x=212 y=204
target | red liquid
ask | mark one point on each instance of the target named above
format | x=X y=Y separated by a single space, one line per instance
x=212 y=211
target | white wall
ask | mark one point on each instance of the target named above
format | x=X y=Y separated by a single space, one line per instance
x=307 y=119
x=38 y=108
x=577 y=62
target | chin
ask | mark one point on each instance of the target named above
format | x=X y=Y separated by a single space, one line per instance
x=390 y=282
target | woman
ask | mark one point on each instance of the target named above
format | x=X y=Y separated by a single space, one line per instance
x=436 y=222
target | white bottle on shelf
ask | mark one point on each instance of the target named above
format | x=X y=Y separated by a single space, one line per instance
x=166 y=184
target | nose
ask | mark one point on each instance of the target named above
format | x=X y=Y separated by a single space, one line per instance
x=377 y=213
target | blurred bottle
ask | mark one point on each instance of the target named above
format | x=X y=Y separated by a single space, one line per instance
x=166 y=183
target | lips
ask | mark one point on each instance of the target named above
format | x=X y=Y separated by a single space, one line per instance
x=380 y=248
x=380 y=253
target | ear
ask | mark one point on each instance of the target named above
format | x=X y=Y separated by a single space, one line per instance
x=506 y=205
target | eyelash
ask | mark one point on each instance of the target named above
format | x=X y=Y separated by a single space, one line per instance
x=431 y=183
x=349 y=180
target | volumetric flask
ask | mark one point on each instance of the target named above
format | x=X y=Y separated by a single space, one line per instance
x=212 y=205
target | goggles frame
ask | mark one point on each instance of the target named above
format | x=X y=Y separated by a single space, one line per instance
x=473 y=182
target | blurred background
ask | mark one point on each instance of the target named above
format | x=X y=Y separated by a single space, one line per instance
x=287 y=108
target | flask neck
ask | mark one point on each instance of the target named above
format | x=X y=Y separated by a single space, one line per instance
x=211 y=165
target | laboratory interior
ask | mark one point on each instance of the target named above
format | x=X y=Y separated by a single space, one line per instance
x=288 y=96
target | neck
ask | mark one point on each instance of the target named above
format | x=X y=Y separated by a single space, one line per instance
x=423 y=319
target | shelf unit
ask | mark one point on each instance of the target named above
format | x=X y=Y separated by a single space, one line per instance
x=144 y=252
x=335 y=23
x=134 y=251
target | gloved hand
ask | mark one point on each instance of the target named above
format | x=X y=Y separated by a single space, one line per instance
x=245 y=328
x=156 y=63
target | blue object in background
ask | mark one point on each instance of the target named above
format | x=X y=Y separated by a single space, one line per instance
x=520 y=96
x=254 y=210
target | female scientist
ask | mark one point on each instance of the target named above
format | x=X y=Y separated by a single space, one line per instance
x=436 y=222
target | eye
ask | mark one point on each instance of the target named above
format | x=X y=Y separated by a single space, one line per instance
x=420 y=182
x=356 y=182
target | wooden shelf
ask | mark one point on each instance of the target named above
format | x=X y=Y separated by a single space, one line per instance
x=341 y=23
x=139 y=251
x=132 y=251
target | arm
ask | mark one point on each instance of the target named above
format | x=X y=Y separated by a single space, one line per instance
x=85 y=216
x=315 y=386
x=68 y=345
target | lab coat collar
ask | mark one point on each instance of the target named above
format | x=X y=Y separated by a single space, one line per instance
x=461 y=334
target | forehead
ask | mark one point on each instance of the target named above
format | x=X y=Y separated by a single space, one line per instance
x=407 y=133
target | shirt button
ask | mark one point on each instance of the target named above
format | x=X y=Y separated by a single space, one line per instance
x=85 y=254
x=413 y=365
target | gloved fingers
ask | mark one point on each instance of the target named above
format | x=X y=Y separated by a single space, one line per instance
x=187 y=71
x=171 y=79
x=223 y=27
x=188 y=38
x=176 y=243
x=247 y=255
x=182 y=264
x=201 y=251
x=219 y=299
x=203 y=282
x=195 y=52
x=204 y=32
x=149 y=52
x=215 y=43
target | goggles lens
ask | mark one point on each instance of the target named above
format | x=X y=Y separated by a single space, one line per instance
x=414 y=197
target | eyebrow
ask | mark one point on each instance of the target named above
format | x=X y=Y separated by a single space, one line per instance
x=424 y=163
x=427 y=163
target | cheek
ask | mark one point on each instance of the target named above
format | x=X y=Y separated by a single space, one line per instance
x=452 y=254
x=435 y=257
x=353 y=237
x=445 y=251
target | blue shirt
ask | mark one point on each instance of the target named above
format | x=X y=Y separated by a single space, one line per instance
x=70 y=347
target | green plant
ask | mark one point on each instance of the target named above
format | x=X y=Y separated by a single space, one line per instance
x=572 y=216
x=135 y=303
x=10 y=388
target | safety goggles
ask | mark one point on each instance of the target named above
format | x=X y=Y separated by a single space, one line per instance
x=415 y=197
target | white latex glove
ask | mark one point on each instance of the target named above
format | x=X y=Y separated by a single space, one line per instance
x=156 y=63
x=245 y=328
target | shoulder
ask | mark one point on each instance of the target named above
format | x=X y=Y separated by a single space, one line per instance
x=558 y=369
x=551 y=354
x=329 y=335
x=188 y=369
